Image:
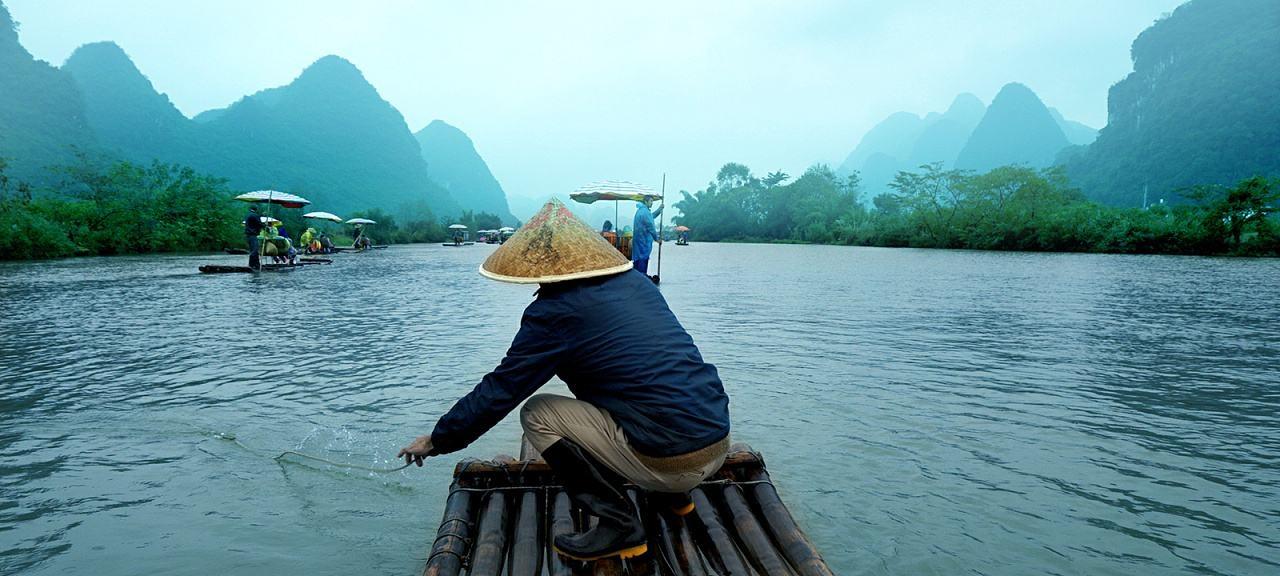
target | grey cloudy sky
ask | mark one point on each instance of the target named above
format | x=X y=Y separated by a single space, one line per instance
x=556 y=94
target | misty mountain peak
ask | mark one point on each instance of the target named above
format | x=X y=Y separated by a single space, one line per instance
x=453 y=162
x=100 y=54
x=1016 y=129
x=108 y=77
x=1017 y=94
x=332 y=69
x=966 y=108
x=439 y=129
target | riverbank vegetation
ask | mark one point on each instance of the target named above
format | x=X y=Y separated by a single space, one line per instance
x=1008 y=208
x=121 y=208
x=421 y=226
x=99 y=208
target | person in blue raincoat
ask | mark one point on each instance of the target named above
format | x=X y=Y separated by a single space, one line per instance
x=645 y=233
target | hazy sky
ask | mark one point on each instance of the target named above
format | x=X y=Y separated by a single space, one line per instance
x=557 y=94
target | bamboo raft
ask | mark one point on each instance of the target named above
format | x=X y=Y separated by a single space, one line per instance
x=501 y=516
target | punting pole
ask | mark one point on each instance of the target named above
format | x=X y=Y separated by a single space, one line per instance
x=794 y=544
x=491 y=537
x=662 y=222
x=450 y=547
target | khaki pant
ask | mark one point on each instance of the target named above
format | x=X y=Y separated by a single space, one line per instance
x=547 y=418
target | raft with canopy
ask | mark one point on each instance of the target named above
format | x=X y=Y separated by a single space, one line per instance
x=501 y=516
x=682 y=235
x=617 y=191
x=270 y=198
x=458 y=230
x=370 y=246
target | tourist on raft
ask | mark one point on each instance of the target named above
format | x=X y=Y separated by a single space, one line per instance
x=647 y=410
x=253 y=227
x=360 y=241
x=608 y=234
x=277 y=245
x=309 y=241
x=326 y=243
x=644 y=233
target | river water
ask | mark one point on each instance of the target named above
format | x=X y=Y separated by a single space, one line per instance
x=923 y=412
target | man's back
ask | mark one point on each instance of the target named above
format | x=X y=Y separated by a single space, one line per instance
x=252 y=224
x=629 y=355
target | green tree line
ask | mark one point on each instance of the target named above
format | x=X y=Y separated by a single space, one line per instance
x=97 y=208
x=1008 y=208
x=120 y=209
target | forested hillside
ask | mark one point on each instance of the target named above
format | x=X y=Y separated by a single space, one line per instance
x=452 y=162
x=1200 y=106
x=42 y=119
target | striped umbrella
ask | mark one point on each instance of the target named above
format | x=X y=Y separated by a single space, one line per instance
x=613 y=190
x=274 y=197
x=622 y=190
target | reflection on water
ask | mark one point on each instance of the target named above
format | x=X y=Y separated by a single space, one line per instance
x=922 y=411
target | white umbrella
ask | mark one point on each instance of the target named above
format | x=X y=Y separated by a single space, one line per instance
x=360 y=221
x=506 y=229
x=274 y=197
x=457 y=227
x=323 y=216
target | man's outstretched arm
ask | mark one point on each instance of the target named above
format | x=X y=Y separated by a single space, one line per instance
x=530 y=362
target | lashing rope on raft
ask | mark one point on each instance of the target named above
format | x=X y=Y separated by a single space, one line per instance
x=281 y=456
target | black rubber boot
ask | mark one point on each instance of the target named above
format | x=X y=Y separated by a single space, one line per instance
x=599 y=491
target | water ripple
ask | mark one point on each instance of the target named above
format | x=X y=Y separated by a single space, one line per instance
x=923 y=412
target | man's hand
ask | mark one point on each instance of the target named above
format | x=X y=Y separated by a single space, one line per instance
x=416 y=451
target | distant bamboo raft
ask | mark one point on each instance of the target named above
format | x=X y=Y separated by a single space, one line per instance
x=502 y=515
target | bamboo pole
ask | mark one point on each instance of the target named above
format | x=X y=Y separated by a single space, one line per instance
x=698 y=563
x=561 y=514
x=491 y=538
x=796 y=547
x=675 y=544
x=661 y=535
x=721 y=550
x=526 y=550
x=450 y=547
x=660 y=226
x=755 y=542
x=610 y=567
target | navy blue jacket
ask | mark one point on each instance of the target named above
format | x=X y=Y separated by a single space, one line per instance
x=617 y=345
x=252 y=224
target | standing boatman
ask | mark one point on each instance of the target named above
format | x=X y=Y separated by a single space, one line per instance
x=647 y=410
x=645 y=232
x=253 y=227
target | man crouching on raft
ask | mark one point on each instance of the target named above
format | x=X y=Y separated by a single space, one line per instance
x=647 y=411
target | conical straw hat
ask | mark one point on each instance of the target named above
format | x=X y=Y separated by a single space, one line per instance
x=553 y=246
